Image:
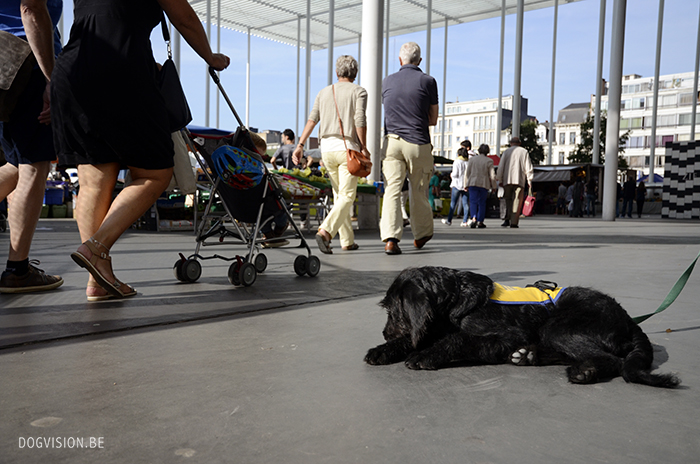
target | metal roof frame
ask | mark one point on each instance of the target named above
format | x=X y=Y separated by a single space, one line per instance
x=280 y=20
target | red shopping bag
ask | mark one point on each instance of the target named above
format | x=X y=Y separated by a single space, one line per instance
x=529 y=205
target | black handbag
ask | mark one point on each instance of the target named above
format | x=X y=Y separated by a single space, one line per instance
x=179 y=114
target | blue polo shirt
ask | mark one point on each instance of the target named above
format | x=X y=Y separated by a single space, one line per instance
x=407 y=96
x=11 y=19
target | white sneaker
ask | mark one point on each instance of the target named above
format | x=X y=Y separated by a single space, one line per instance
x=469 y=222
x=464 y=224
x=446 y=222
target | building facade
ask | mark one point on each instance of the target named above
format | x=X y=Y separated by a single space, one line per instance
x=673 y=116
x=474 y=121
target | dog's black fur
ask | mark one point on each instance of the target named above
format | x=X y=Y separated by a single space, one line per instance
x=439 y=316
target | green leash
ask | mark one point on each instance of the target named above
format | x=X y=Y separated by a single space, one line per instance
x=673 y=294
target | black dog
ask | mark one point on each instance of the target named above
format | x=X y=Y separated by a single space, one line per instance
x=439 y=316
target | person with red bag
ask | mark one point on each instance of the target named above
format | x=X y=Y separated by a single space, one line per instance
x=340 y=111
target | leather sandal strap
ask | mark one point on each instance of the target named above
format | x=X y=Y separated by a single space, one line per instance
x=92 y=244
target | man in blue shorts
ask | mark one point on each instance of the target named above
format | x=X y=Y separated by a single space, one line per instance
x=27 y=141
x=410 y=101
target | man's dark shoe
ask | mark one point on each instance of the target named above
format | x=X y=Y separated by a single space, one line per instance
x=506 y=223
x=420 y=243
x=35 y=280
x=513 y=226
x=392 y=248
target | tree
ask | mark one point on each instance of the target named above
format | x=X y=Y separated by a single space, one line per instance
x=528 y=140
x=584 y=150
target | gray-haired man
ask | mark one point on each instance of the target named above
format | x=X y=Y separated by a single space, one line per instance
x=410 y=100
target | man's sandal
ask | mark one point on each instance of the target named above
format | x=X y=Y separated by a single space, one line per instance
x=114 y=288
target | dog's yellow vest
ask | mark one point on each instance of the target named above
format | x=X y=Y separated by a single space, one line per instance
x=504 y=294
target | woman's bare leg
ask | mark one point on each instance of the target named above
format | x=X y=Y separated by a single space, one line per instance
x=105 y=221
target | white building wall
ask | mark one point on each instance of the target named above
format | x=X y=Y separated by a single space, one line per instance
x=474 y=121
x=673 y=116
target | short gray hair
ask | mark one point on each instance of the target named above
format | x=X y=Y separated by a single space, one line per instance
x=346 y=66
x=410 y=53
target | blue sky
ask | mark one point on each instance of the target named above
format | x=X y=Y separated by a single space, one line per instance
x=472 y=60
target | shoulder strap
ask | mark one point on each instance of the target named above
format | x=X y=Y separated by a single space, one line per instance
x=339 y=120
x=166 y=33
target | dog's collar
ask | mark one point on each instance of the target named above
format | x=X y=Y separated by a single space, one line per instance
x=504 y=294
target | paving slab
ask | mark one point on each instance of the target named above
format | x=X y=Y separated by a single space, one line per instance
x=208 y=372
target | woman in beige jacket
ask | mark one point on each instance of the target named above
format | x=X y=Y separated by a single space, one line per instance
x=351 y=104
x=479 y=179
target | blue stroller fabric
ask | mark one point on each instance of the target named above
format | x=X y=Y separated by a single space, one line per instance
x=236 y=168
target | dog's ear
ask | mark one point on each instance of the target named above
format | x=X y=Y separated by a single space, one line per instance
x=475 y=290
x=419 y=308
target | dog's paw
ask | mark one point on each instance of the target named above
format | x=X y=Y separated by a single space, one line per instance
x=379 y=356
x=420 y=361
x=582 y=373
x=523 y=357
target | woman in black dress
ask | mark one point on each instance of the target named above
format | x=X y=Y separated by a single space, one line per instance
x=103 y=91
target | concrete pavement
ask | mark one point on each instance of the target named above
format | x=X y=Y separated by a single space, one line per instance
x=208 y=372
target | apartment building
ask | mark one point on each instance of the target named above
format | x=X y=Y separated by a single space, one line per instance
x=475 y=121
x=673 y=115
x=567 y=132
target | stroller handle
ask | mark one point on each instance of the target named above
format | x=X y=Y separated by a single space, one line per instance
x=215 y=77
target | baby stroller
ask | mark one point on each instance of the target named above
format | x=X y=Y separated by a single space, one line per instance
x=251 y=198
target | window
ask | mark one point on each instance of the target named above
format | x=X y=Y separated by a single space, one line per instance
x=625 y=104
x=635 y=123
x=638 y=103
x=562 y=138
x=635 y=142
x=668 y=120
x=449 y=140
x=561 y=157
x=667 y=100
x=686 y=99
x=439 y=125
x=492 y=122
x=684 y=119
x=459 y=123
x=476 y=122
x=449 y=126
x=604 y=105
x=481 y=122
x=572 y=138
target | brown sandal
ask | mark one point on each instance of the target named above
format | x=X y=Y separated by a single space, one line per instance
x=81 y=260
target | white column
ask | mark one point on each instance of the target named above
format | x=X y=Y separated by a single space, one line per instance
x=429 y=33
x=518 y=66
x=175 y=42
x=599 y=84
x=554 y=64
x=386 y=39
x=218 y=50
x=207 y=78
x=695 y=85
x=444 y=94
x=612 y=132
x=331 y=27
x=296 y=128
x=657 y=66
x=247 y=85
x=371 y=73
x=307 y=85
x=359 y=57
x=499 y=115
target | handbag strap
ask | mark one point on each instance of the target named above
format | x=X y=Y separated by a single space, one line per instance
x=166 y=33
x=340 y=121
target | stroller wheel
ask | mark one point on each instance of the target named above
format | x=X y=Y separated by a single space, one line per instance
x=233 y=274
x=260 y=262
x=191 y=270
x=177 y=270
x=313 y=265
x=300 y=265
x=247 y=274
